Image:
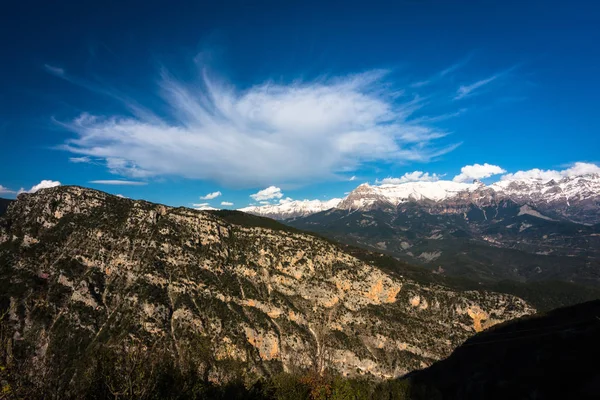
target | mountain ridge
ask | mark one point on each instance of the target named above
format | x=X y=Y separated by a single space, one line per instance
x=82 y=270
x=574 y=199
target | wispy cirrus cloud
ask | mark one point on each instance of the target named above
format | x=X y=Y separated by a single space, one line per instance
x=80 y=160
x=443 y=73
x=118 y=182
x=265 y=134
x=54 y=70
x=466 y=90
x=472 y=89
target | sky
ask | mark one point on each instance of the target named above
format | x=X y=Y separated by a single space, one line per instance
x=230 y=103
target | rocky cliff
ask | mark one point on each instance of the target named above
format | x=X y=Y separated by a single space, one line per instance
x=81 y=270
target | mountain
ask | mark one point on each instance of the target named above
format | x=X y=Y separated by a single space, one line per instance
x=102 y=293
x=574 y=199
x=524 y=231
x=292 y=208
x=4 y=203
x=367 y=197
x=550 y=356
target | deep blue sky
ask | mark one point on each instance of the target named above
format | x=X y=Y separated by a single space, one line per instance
x=512 y=83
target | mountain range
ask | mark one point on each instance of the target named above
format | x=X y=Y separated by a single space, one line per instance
x=83 y=272
x=523 y=230
x=575 y=199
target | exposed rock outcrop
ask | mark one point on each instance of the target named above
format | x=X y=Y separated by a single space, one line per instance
x=80 y=267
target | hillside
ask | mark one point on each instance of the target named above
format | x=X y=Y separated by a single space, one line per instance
x=487 y=243
x=550 y=356
x=84 y=273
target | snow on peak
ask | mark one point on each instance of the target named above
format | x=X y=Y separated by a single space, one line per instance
x=541 y=188
x=292 y=208
x=394 y=194
x=535 y=189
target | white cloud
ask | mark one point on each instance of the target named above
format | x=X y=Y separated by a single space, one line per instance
x=5 y=190
x=269 y=133
x=272 y=192
x=226 y=203
x=264 y=202
x=352 y=178
x=210 y=196
x=415 y=176
x=80 y=160
x=581 y=168
x=577 y=169
x=466 y=90
x=477 y=171
x=42 y=185
x=118 y=182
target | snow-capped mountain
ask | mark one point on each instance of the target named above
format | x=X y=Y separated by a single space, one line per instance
x=367 y=196
x=575 y=198
x=292 y=208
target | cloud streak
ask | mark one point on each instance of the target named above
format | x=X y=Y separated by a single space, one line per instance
x=266 y=134
x=80 y=160
x=467 y=90
x=54 y=70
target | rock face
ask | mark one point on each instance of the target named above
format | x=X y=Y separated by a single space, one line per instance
x=79 y=268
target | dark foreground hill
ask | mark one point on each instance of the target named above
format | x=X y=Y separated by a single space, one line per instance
x=549 y=356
